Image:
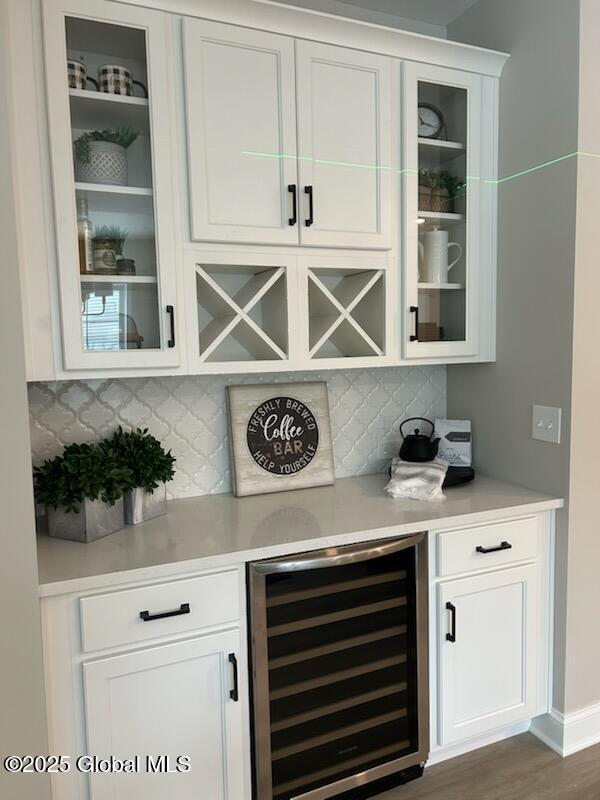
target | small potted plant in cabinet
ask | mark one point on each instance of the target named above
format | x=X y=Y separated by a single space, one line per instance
x=82 y=490
x=101 y=156
x=151 y=468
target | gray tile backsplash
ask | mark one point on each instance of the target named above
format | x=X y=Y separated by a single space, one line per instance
x=188 y=415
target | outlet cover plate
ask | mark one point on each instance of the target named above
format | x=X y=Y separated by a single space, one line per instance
x=545 y=424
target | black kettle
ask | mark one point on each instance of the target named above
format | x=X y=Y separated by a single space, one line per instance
x=416 y=446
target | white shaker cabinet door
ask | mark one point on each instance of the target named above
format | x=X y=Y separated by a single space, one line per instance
x=241 y=117
x=488 y=627
x=344 y=147
x=173 y=700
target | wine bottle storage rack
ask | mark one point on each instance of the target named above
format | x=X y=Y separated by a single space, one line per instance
x=338 y=656
x=346 y=312
x=242 y=313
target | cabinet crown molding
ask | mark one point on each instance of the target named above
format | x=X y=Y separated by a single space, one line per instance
x=327 y=28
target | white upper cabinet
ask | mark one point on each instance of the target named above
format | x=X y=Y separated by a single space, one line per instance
x=344 y=143
x=241 y=115
x=448 y=234
x=107 y=74
x=260 y=174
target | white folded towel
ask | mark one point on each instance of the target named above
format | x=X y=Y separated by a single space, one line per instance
x=417 y=481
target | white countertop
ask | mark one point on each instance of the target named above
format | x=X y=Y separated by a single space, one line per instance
x=221 y=530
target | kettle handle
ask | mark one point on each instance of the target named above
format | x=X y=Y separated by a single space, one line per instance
x=416 y=419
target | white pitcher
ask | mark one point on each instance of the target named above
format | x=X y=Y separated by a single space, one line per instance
x=433 y=255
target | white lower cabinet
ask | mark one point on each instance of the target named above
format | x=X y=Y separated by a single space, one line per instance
x=488 y=628
x=178 y=701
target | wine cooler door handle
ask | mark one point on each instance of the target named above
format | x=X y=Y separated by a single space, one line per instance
x=336 y=556
x=171 y=313
x=451 y=637
x=414 y=337
x=294 y=192
x=309 y=221
x=234 y=693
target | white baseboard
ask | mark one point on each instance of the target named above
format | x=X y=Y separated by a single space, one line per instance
x=568 y=733
x=440 y=754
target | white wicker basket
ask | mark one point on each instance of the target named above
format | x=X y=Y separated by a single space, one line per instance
x=107 y=164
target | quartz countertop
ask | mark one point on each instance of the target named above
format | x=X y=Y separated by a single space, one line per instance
x=221 y=530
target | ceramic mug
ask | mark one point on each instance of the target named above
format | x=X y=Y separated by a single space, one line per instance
x=433 y=252
x=116 y=79
x=77 y=76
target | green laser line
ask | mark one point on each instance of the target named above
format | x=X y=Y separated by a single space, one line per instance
x=405 y=170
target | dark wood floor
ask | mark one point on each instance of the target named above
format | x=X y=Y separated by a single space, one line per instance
x=521 y=768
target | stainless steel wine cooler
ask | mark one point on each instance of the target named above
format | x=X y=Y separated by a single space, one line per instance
x=339 y=670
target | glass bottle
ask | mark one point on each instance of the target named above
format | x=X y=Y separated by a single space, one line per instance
x=84 y=237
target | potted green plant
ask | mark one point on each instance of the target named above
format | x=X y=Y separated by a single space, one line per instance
x=83 y=490
x=456 y=190
x=426 y=183
x=107 y=245
x=100 y=156
x=151 y=468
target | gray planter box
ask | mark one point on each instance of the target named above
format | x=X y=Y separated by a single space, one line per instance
x=140 y=505
x=93 y=520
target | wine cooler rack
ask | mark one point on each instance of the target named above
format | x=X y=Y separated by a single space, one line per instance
x=339 y=652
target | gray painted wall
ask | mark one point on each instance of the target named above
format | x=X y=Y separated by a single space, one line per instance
x=583 y=625
x=362 y=12
x=536 y=254
x=22 y=715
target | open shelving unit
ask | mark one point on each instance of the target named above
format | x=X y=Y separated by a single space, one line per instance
x=90 y=110
x=346 y=309
x=242 y=312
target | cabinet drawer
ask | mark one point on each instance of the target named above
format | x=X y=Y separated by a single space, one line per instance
x=486 y=546
x=111 y=620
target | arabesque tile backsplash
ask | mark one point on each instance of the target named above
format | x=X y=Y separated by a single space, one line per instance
x=188 y=415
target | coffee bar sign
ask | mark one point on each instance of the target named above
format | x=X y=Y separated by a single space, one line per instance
x=280 y=437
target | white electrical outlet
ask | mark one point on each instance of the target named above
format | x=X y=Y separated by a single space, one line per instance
x=545 y=424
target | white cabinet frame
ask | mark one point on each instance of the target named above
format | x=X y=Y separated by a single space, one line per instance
x=315 y=174
x=479 y=263
x=157 y=29
x=198 y=36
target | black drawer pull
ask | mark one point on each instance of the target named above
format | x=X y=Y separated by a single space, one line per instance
x=451 y=637
x=234 y=693
x=184 y=608
x=501 y=546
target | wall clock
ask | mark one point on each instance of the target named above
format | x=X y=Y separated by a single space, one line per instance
x=431 y=121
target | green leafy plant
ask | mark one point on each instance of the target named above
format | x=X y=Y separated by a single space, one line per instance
x=452 y=183
x=144 y=456
x=83 y=471
x=114 y=234
x=123 y=136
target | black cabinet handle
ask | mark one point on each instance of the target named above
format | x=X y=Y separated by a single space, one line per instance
x=414 y=337
x=171 y=313
x=451 y=637
x=293 y=189
x=309 y=191
x=501 y=546
x=234 y=693
x=184 y=608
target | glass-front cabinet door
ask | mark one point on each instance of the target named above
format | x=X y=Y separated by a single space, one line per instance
x=108 y=84
x=441 y=168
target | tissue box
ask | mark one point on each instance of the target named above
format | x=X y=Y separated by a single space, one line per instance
x=455 y=441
